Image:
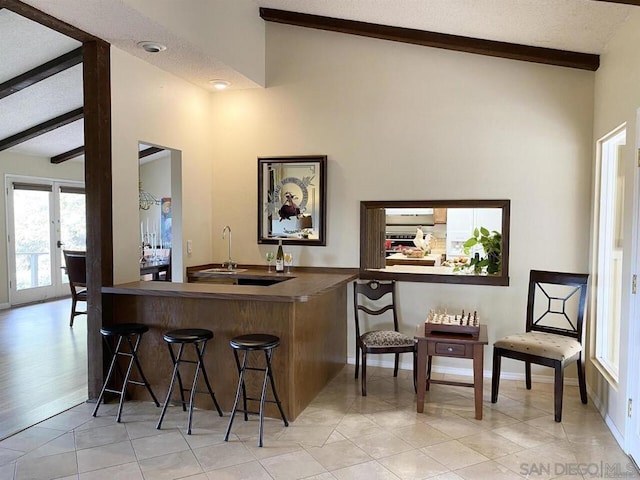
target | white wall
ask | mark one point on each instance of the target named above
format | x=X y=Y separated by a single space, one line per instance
x=155 y=107
x=406 y=122
x=18 y=164
x=617 y=98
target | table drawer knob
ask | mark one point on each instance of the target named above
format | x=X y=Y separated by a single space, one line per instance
x=450 y=349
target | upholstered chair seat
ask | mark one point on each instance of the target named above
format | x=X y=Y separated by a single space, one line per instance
x=385 y=338
x=540 y=344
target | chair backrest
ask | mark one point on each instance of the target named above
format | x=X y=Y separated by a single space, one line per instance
x=76 y=263
x=374 y=298
x=556 y=303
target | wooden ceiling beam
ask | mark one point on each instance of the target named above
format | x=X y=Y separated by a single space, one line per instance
x=63 y=157
x=41 y=72
x=548 y=56
x=625 y=2
x=42 y=128
x=149 y=151
x=76 y=152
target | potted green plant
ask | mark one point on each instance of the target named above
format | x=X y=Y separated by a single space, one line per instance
x=491 y=243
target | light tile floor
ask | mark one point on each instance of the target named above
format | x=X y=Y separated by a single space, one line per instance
x=341 y=435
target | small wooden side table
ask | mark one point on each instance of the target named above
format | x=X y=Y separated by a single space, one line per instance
x=451 y=345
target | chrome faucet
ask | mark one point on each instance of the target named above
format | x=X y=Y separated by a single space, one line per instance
x=230 y=264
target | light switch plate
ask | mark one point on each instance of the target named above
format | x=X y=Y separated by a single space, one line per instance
x=189 y=247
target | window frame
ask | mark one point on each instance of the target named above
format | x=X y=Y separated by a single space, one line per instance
x=607 y=258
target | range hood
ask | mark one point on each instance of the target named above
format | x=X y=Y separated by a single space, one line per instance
x=410 y=216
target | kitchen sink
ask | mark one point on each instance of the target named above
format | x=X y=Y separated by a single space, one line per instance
x=224 y=270
x=238 y=277
x=261 y=282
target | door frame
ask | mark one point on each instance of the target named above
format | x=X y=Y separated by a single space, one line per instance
x=632 y=424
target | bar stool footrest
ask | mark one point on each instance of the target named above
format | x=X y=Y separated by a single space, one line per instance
x=258 y=399
x=248 y=411
x=119 y=392
x=186 y=402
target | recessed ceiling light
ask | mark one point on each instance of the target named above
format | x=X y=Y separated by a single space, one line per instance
x=220 y=84
x=152 y=47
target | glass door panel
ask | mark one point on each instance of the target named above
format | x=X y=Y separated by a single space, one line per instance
x=72 y=228
x=32 y=212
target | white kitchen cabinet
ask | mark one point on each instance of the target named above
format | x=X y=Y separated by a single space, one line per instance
x=489 y=218
x=461 y=223
x=459 y=229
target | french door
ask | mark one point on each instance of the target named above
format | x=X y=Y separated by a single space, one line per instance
x=44 y=217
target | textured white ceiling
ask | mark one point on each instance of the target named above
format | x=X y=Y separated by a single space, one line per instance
x=576 y=25
x=42 y=101
x=26 y=44
x=55 y=142
x=124 y=26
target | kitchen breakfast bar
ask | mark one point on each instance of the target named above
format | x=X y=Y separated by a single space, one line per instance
x=307 y=309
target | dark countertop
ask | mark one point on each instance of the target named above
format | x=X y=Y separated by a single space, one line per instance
x=298 y=286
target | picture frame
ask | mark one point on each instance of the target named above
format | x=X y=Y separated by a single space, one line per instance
x=292 y=200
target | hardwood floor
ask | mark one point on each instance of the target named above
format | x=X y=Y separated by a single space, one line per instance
x=43 y=364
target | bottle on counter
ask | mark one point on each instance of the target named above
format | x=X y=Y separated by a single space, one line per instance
x=280 y=258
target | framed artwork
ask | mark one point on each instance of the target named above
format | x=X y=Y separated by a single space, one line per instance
x=292 y=200
x=165 y=222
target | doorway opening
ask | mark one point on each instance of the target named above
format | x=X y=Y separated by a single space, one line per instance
x=160 y=183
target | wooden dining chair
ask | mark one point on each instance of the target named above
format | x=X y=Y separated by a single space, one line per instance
x=76 y=264
x=553 y=338
x=373 y=299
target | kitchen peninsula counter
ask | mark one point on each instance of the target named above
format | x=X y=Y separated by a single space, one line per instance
x=307 y=309
x=430 y=260
x=298 y=286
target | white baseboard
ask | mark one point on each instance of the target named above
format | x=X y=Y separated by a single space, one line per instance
x=615 y=432
x=4 y=306
x=607 y=419
x=379 y=361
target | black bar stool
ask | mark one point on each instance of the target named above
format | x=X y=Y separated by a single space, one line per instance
x=124 y=331
x=198 y=337
x=247 y=343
